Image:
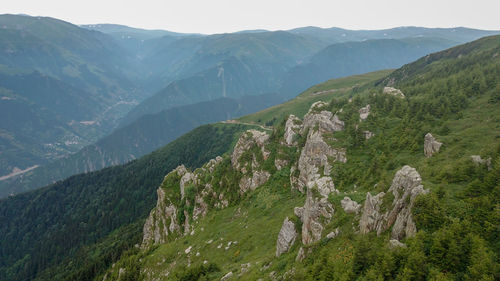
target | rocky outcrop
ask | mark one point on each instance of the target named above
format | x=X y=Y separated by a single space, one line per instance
x=394 y=92
x=431 y=145
x=364 y=112
x=314 y=159
x=253 y=175
x=405 y=187
x=280 y=163
x=393 y=244
x=251 y=182
x=245 y=143
x=228 y=276
x=371 y=218
x=161 y=222
x=212 y=163
x=350 y=206
x=325 y=120
x=316 y=212
x=286 y=237
x=185 y=180
x=292 y=126
x=480 y=161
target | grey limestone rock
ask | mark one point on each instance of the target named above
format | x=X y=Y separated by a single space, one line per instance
x=364 y=112
x=394 y=92
x=350 y=206
x=480 y=161
x=431 y=145
x=292 y=126
x=286 y=237
x=405 y=187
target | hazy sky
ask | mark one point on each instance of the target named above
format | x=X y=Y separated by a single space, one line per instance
x=217 y=16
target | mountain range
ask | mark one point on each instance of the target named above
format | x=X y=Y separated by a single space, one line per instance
x=390 y=175
x=106 y=77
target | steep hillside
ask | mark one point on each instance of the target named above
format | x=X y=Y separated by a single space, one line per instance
x=227 y=65
x=344 y=59
x=400 y=181
x=144 y=135
x=62 y=87
x=72 y=226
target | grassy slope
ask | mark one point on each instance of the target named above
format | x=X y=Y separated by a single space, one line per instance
x=299 y=106
x=472 y=129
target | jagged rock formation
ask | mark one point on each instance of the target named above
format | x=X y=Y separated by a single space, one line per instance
x=480 y=161
x=171 y=214
x=364 y=112
x=393 y=91
x=313 y=168
x=164 y=219
x=292 y=126
x=161 y=222
x=286 y=237
x=254 y=176
x=325 y=120
x=316 y=212
x=350 y=206
x=405 y=187
x=431 y=145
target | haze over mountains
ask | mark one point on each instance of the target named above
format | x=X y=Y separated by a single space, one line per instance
x=388 y=175
x=106 y=77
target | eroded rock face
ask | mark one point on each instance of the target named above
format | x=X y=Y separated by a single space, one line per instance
x=371 y=218
x=314 y=157
x=161 y=222
x=405 y=187
x=292 y=126
x=255 y=176
x=212 y=163
x=255 y=180
x=245 y=142
x=364 y=112
x=350 y=206
x=185 y=180
x=326 y=121
x=394 y=92
x=431 y=145
x=286 y=237
x=315 y=212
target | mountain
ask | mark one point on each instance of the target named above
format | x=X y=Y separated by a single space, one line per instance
x=339 y=35
x=144 y=135
x=398 y=180
x=135 y=181
x=66 y=207
x=403 y=173
x=344 y=59
x=62 y=87
x=286 y=62
x=227 y=65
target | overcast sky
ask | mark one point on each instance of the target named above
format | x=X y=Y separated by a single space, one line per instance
x=218 y=16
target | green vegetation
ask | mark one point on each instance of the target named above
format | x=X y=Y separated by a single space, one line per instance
x=76 y=228
x=458 y=221
x=341 y=87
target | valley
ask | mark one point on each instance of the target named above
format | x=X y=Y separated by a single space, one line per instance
x=301 y=154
